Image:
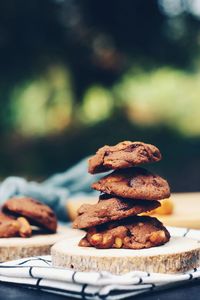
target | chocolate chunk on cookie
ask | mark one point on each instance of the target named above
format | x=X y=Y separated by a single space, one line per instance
x=131 y=233
x=111 y=208
x=134 y=183
x=123 y=155
x=36 y=212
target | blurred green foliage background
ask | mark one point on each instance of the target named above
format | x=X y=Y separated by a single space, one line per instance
x=75 y=75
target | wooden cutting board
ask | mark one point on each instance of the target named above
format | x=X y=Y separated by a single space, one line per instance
x=178 y=255
x=38 y=244
x=185 y=214
x=186 y=211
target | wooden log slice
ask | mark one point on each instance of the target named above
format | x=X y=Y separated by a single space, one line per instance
x=38 y=244
x=178 y=255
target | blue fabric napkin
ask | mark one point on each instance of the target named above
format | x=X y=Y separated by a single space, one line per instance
x=54 y=191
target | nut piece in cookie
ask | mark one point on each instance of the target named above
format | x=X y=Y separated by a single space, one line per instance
x=134 y=183
x=9 y=227
x=34 y=211
x=111 y=208
x=25 y=229
x=123 y=155
x=131 y=233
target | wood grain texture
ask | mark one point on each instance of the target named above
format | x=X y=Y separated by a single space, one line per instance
x=178 y=255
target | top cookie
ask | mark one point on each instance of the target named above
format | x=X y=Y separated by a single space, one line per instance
x=134 y=183
x=123 y=155
x=36 y=212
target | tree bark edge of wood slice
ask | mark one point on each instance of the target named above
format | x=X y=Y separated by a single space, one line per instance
x=17 y=247
x=179 y=255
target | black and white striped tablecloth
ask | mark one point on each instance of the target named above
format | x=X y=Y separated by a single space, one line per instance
x=38 y=273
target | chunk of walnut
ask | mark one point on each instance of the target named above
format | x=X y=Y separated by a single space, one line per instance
x=157 y=237
x=118 y=242
x=9 y=228
x=112 y=238
x=25 y=229
x=101 y=240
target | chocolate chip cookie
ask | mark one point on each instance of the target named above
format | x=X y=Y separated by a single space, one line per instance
x=36 y=212
x=134 y=183
x=130 y=233
x=111 y=208
x=123 y=155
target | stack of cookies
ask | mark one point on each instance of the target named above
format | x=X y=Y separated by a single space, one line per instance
x=127 y=192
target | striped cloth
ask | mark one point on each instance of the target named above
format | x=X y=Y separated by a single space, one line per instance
x=38 y=273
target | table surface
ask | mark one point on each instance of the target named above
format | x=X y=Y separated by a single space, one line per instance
x=188 y=291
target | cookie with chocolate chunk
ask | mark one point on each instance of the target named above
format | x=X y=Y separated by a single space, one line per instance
x=134 y=183
x=123 y=155
x=111 y=208
x=130 y=233
x=36 y=212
